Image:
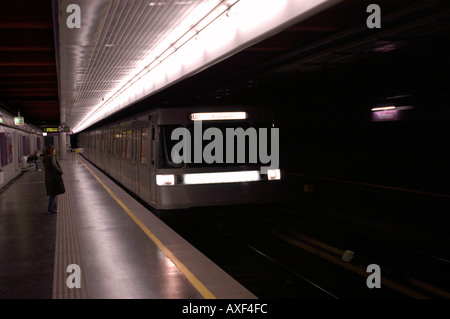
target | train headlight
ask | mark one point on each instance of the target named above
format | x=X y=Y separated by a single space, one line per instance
x=273 y=174
x=165 y=180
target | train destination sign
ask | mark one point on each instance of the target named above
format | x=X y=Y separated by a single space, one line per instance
x=218 y=116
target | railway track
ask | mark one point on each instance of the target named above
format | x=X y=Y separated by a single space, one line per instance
x=410 y=271
x=284 y=254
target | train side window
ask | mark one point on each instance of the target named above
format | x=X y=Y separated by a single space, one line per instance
x=124 y=144
x=38 y=143
x=25 y=145
x=113 y=143
x=144 y=146
x=107 y=143
x=10 y=147
x=112 y=137
x=128 y=145
x=118 y=144
x=3 y=149
x=135 y=145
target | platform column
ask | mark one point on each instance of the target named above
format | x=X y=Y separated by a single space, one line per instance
x=62 y=145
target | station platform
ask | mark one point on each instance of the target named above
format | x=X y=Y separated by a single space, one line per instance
x=102 y=244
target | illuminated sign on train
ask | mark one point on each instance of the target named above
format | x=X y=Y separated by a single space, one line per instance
x=218 y=116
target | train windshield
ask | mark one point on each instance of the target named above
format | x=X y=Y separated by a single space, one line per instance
x=215 y=144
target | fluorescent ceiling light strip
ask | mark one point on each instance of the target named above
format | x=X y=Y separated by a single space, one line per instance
x=247 y=22
x=225 y=177
x=168 y=51
x=87 y=85
x=158 y=17
x=160 y=58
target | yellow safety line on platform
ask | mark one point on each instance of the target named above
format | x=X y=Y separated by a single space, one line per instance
x=189 y=275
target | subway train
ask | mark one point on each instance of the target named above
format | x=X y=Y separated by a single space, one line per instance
x=179 y=158
x=18 y=140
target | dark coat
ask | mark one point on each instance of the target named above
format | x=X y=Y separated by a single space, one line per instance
x=32 y=157
x=52 y=170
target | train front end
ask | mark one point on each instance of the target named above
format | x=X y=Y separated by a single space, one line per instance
x=225 y=157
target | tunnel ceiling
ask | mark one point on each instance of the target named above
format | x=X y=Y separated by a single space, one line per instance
x=336 y=38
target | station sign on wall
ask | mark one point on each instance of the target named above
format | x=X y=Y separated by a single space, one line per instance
x=18 y=120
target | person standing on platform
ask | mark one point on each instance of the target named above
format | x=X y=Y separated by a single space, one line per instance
x=54 y=184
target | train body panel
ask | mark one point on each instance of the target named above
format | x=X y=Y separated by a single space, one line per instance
x=137 y=153
x=16 y=142
x=220 y=194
